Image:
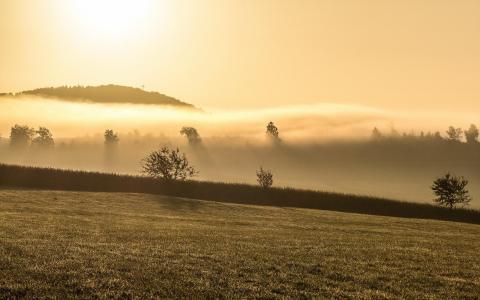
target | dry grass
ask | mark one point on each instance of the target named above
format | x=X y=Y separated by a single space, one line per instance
x=81 y=244
x=69 y=180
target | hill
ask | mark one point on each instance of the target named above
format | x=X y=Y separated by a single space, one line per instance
x=56 y=179
x=121 y=245
x=106 y=94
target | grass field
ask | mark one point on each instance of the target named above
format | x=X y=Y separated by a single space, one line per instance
x=70 y=180
x=84 y=244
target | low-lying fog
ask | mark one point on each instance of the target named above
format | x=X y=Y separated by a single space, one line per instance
x=324 y=146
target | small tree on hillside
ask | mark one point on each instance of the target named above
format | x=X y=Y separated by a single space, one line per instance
x=192 y=135
x=454 y=134
x=450 y=191
x=168 y=164
x=264 y=178
x=44 y=138
x=21 y=136
x=471 y=134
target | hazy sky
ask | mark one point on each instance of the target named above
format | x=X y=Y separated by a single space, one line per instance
x=246 y=53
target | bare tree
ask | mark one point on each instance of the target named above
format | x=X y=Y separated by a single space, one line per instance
x=44 y=138
x=272 y=131
x=471 y=134
x=192 y=135
x=454 y=134
x=264 y=178
x=451 y=190
x=168 y=164
x=21 y=136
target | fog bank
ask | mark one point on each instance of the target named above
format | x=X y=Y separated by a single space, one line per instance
x=324 y=147
x=324 y=121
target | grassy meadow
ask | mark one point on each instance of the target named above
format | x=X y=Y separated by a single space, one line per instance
x=59 y=179
x=87 y=244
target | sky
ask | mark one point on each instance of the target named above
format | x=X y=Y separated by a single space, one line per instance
x=232 y=54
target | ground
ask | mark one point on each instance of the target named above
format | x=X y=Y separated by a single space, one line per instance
x=79 y=244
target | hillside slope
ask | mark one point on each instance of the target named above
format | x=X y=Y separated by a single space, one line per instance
x=119 y=245
x=61 y=179
x=106 y=94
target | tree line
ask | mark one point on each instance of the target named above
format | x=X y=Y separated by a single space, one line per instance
x=171 y=164
x=24 y=136
x=452 y=134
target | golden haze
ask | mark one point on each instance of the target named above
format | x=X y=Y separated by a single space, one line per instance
x=248 y=53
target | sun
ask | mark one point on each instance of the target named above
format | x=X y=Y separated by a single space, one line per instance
x=111 y=18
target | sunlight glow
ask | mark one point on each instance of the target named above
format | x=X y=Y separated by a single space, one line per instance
x=111 y=18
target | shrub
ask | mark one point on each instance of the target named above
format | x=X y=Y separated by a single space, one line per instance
x=264 y=178
x=451 y=190
x=168 y=164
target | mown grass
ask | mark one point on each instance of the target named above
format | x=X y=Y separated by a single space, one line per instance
x=55 y=179
x=125 y=245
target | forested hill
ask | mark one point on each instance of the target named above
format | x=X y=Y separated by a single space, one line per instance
x=107 y=94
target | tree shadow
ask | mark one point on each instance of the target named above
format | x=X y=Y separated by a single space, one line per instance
x=178 y=204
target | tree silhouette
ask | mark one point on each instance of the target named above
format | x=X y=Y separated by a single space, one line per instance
x=192 y=135
x=111 y=145
x=168 y=164
x=454 y=134
x=376 y=134
x=264 y=178
x=471 y=135
x=272 y=131
x=111 y=138
x=44 y=138
x=451 y=190
x=21 y=136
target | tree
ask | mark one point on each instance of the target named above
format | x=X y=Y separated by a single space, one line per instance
x=44 y=138
x=471 y=134
x=376 y=134
x=454 y=134
x=21 y=136
x=192 y=135
x=451 y=190
x=111 y=138
x=272 y=131
x=168 y=164
x=437 y=136
x=111 y=143
x=264 y=178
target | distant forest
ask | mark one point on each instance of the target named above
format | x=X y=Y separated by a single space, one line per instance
x=105 y=94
